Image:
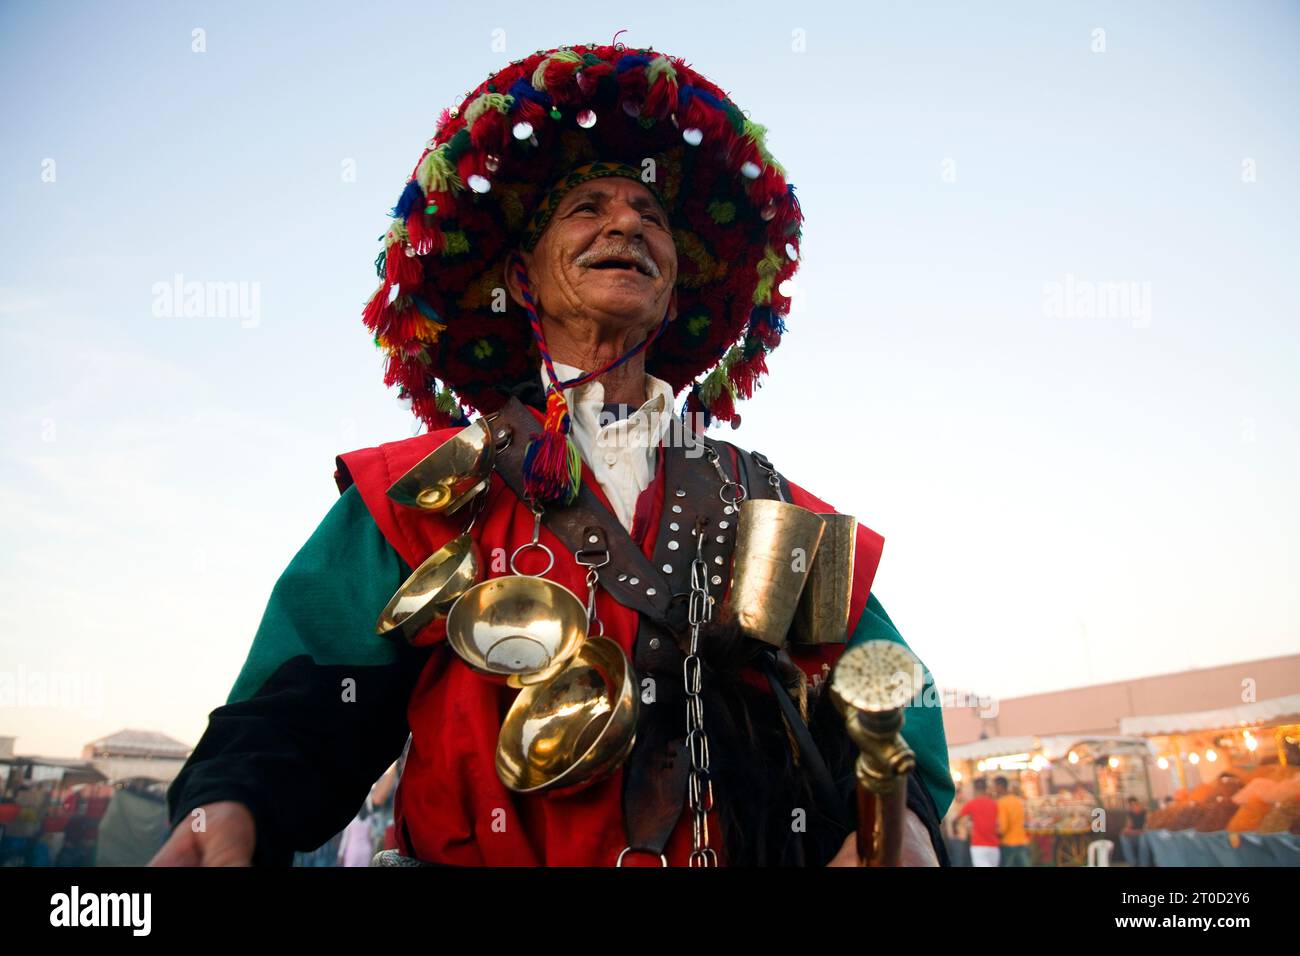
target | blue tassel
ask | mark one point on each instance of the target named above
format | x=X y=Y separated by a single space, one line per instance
x=684 y=94
x=411 y=196
x=630 y=60
x=522 y=89
x=425 y=309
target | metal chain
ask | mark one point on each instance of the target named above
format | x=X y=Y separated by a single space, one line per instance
x=700 y=791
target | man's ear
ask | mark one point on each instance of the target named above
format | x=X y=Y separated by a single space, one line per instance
x=672 y=305
x=512 y=280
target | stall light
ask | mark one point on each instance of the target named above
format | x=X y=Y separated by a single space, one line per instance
x=1009 y=762
x=980 y=766
x=1251 y=742
x=1113 y=762
x=1210 y=755
x=1193 y=758
x=956 y=776
x=1163 y=763
x=1074 y=757
x=1039 y=763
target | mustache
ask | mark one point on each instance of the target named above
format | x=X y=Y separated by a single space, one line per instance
x=619 y=250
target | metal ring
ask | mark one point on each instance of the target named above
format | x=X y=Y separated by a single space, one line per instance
x=532 y=544
x=732 y=501
x=663 y=860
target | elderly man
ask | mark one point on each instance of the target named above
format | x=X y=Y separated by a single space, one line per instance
x=636 y=223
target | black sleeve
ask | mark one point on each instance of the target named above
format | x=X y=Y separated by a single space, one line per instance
x=301 y=753
x=319 y=710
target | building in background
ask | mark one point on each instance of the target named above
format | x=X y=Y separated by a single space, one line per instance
x=137 y=753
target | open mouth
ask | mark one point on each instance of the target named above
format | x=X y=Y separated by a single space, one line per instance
x=626 y=265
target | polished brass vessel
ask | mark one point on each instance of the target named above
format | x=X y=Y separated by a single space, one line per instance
x=823 y=613
x=872 y=683
x=448 y=477
x=574 y=729
x=432 y=589
x=776 y=546
x=517 y=625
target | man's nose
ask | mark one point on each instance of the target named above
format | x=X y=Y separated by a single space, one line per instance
x=624 y=220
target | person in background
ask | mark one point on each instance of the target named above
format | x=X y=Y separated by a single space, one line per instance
x=983 y=813
x=358 y=845
x=1137 y=817
x=1011 y=825
x=956 y=832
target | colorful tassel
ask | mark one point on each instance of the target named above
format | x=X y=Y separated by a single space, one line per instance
x=552 y=464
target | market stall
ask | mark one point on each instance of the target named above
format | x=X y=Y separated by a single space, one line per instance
x=39 y=824
x=1237 y=778
x=1075 y=787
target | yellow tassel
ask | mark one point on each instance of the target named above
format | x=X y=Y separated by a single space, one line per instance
x=501 y=102
x=563 y=56
x=767 y=269
x=436 y=174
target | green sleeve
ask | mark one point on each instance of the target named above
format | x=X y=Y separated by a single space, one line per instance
x=922 y=724
x=326 y=601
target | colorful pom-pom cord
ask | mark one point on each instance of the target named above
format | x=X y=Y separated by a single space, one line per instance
x=552 y=462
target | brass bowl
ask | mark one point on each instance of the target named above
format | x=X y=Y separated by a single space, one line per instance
x=431 y=589
x=517 y=625
x=573 y=730
x=450 y=475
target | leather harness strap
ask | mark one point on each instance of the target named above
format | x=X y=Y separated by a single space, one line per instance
x=655 y=775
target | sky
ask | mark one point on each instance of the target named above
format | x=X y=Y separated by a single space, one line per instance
x=1073 y=488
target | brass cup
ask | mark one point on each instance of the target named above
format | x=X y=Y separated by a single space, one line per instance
x=776 y=545
x=573 y=730
x=450 y=475
x=431 y=589
x=517 y=625
x=823 y=613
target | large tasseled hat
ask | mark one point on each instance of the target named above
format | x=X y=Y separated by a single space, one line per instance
x=455 y=340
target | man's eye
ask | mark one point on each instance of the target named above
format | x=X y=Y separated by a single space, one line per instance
x=585 y=206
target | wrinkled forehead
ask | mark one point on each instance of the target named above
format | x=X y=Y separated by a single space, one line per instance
x=586 y=177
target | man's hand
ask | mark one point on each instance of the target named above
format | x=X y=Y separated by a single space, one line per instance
x=227 y=838
x=917 y=848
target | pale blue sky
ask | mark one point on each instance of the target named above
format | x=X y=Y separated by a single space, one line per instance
x=1065 y=499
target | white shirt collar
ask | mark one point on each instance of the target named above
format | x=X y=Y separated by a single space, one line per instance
x=586 y=402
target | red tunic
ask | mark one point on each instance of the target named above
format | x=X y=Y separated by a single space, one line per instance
x=450 y=806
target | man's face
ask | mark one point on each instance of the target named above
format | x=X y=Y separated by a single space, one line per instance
x=607 y=256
